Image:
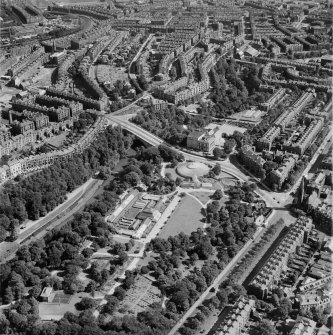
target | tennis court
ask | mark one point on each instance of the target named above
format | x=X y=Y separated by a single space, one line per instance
x=61 y=298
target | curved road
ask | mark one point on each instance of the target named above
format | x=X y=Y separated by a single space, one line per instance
x=156 y=141
x=230 y=169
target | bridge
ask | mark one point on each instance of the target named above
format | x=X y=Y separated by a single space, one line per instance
x=147 y=137
x=139 y=132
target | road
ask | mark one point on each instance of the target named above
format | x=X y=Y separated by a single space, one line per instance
x=153 y=233
x=226 y=165
x=65 y=210
x=231 y=169
x=274 y=217
x=122 y=110
x=55 y=218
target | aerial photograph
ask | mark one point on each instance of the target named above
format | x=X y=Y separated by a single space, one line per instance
x=166 y=167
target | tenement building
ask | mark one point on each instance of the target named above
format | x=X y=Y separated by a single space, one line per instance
x=237 y=317
x=269 y=274
x=279 y=175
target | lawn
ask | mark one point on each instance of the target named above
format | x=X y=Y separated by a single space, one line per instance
x=186 y=218
x=204 y=197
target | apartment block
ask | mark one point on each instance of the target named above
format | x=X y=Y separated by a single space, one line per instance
x=266 y=141
x=307 y=137
x=269 y=274
x=279 y=175
x=319 y=301
x=314 y=285
x=86 y=102
x=75 y=107
x=250 y=158
x=22 y=127
x=303 y=326
x=237 y=317
x=37 y=162
x=274 y=99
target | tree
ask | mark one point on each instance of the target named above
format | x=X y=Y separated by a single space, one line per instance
x=204 y=249
x=23 y=307
x=111 y=305
x=132 y=178
x=87 y=252
x=91 y=288
x=18 y=321
x=86 y=303
x=223 y=298
x=8 y=296
x=194 y=324
x=217 y=169
x=4 y=324
x=319 y=316
x=186 y=331
x=214 y=302
x=122 y=258
x=217 y=152
x=3 y=233
x=104 y=172
x=147 y=168
x=45 y=328
x=35 y=291
x=218 y=194
x=119 y=293
x=194 y=258
x=229 y=145
x=275 y=300
x=264 y=327
x=285 y=307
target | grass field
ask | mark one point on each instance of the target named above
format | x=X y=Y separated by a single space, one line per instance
x=204 y=197
x=186 y=218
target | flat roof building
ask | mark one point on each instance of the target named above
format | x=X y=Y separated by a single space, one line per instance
x=46 y=294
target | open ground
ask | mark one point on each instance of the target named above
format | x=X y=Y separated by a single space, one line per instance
x=186 y=218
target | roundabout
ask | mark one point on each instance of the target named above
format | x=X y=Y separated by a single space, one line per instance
x=192 y=169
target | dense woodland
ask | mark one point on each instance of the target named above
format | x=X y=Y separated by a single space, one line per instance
x=234 y=89
x=38 y=194
x=172 y=125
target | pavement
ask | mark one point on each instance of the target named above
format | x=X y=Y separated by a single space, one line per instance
x=223 y=274
x=226 y=165
x=163 y=219
x=137 y=257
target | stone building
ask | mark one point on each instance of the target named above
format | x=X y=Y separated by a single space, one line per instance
x=269 y=274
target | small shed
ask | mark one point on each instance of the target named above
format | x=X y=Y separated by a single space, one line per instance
x=46 y=294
